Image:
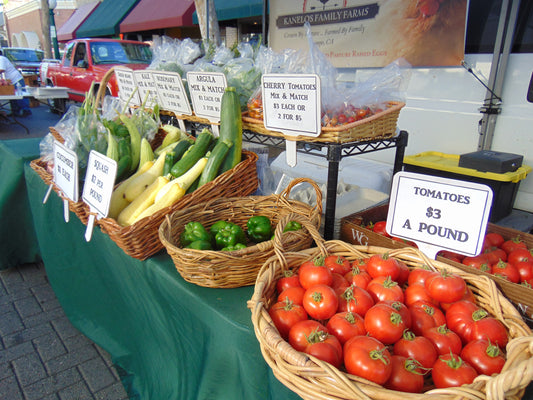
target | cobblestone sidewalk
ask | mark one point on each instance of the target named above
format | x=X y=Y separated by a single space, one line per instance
x=42 y=356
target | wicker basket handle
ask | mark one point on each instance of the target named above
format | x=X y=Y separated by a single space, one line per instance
x=306 y=223
x=103 y=86
x=287 y=191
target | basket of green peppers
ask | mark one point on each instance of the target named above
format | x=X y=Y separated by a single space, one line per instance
x=223 y=242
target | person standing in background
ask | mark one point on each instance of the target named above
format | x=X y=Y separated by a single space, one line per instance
x=19 y=108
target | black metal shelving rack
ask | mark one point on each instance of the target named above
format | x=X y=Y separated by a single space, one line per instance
x=334 y=154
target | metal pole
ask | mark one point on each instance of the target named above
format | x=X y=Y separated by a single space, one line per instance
x=53 y=34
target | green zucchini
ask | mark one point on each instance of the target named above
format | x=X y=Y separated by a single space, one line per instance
x=124 y=160
x=215 y=160
x=231 y=127
x=193 y=154
x=169 y=162
x=180 y=149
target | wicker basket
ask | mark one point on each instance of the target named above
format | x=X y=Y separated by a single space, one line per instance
x=381 y=125
x=141 y=240
x=79 y=208
x=229 y=269
x=312 y=378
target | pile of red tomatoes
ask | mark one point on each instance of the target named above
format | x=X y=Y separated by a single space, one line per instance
x=405 y=329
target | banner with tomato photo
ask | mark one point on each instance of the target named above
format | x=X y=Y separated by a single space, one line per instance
x=358 y=34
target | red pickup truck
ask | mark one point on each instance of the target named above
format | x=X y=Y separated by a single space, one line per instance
x=87 y=60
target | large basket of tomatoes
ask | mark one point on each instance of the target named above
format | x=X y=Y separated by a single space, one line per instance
x=343 y=126
x=339 y=321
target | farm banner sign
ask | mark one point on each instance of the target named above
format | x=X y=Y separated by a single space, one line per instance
x=358 y=34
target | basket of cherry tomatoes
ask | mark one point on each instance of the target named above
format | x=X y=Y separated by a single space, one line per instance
x=340 y=321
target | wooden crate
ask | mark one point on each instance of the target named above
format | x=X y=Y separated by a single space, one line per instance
x=7 y=90
x=353 y=231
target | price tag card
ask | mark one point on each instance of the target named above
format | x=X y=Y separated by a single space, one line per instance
x=126 y=86
x=99 y=182
x=66 y=171
x=171 y=93
x=439 y=213
x=146 y=86
x=291 y=104
x=206 y=90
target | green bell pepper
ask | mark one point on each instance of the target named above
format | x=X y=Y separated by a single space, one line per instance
x=217 y=226
x=200 y=245
x=238 y=246
x=259 y=228
x=229 y=235
x=194 y=231
x=292 y=226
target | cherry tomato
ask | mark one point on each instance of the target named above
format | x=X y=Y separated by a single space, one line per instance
x=320 y=302
x=379 y=228
x=383 y=265
x=444 y=340
x=486 y=358
x=384 y=288
x=507 y=271
x=418 y=347
x=492 y=239
x=301 y=330
x=345 y=325
x=337 y=264
x=417 y=292
x=424 y=316
x=285 y=314
x=513 y=244
x=520 y=255
x=314 y=273
x=445 y=286
x=358 y=277
x=289 y=279
x=368 y=358
x=451 y=371
x=384 y=323
x=293 y=294
x=407 y=375
x=356 y=300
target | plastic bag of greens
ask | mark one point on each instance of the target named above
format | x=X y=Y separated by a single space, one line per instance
x=242 y=74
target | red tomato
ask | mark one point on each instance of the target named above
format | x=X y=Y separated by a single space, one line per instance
x=445 y=286
x=339 y=283
x=404 y=273
x=401 y=309
x=418 y=347
x=495 y=254
x=383 y=265
x=289 y=279
x=356 y=300
x=293 y=294
x=520 y=255
x=451 y=371
x=478 y=262
x=418 y=275
x=472 y=322
x=358 y=277
x=417 y=292
x=301 y=330
x=380 y=228
x=525 y=270
x=424 y=316
x=285 y=314
x=384 y=323
x=320 y=302
x=337 y=264
x=368 y=358
x=444 y=340
x=507 y=271
x=492 y=239
x=314 y=273
x=327 y=349
x=485 y=357
x=467 y=296
x=345 y=325
x=450 y=255
x=513 y=244
x=384 y=288
x=360 y=263
x=407 y=375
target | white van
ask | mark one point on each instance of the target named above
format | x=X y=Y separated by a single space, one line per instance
x=443 y=105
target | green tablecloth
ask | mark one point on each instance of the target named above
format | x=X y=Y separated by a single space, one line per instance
x=172 y=339
x=18 y=243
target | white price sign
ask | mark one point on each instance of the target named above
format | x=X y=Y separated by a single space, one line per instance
x=99 y=182
x=171 y=93
x=291 y=104
x=206 y=90
x=439 y=213
x=146 y=85
x=126 y=86
x=66 y=171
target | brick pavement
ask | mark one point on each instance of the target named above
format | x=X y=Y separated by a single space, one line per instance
x=42 y=356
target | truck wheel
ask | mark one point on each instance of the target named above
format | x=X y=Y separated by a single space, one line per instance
x=57 y=106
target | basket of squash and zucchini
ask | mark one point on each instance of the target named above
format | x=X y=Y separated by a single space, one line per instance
x=223 y=242
x=181 y=172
